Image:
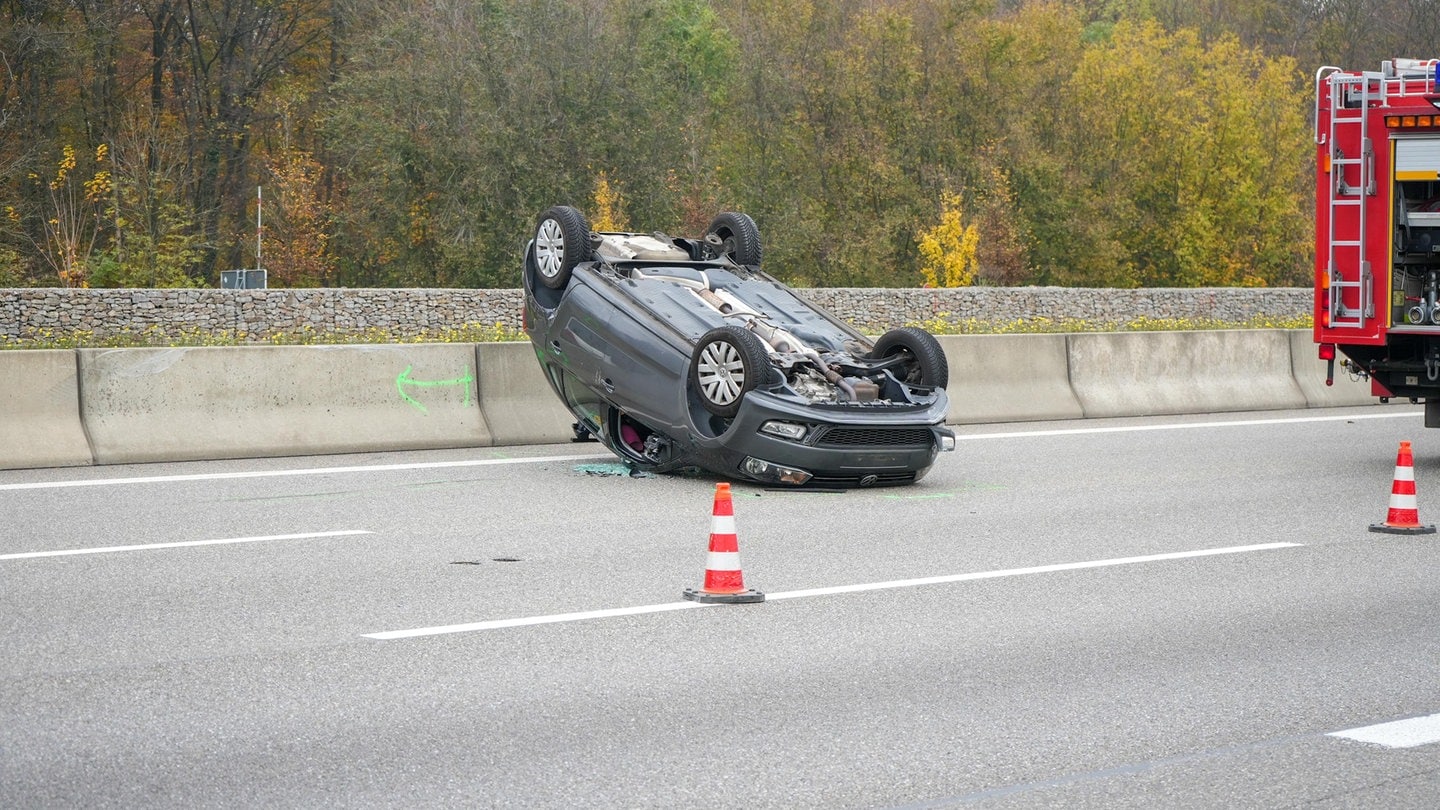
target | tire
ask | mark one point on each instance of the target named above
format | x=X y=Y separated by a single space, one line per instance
x=926 y=365
x=562 y=240
x=727 y=362
x=739 y=238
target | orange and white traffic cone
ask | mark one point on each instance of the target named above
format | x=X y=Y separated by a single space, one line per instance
x=1404 y=515
x=724 y=581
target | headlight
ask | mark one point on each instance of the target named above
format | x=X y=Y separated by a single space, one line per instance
x=786 y=430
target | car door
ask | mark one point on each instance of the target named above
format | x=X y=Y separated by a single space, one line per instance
x=609 y=344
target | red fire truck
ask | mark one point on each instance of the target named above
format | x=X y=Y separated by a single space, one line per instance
x=1377 y=227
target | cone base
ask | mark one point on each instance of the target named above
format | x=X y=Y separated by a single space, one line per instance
x=1388 y=529
x=741 y=598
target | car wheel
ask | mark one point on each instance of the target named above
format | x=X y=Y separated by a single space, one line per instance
x=727 y=362
x=736 y=236
x=925 y=364
x=562 y=240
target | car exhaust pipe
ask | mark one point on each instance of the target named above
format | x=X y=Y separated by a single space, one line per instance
x=780 y=340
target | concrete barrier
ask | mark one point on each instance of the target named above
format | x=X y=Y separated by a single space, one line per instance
x=1309 y=371
x=518 y=403
x=40 y=411
x=137 y=405
x=240 y=402
x=1141 y=373
x=1008 y=378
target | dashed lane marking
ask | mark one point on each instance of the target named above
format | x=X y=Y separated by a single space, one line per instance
x=166 y=479
x=497 y=624
x=184 y=544
x=1183 y=426
x=1409 y=733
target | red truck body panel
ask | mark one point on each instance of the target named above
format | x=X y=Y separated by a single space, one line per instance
x=1377 y=224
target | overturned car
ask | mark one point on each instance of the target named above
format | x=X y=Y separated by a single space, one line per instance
x=678 y=352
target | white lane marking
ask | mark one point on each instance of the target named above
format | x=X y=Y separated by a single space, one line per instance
x=1182 y=426
x=165 y=479
x=109 y=549
x=430 y=465
x=1398 y=734
x=1038 y=569
x=533 y=620
x=873 y=586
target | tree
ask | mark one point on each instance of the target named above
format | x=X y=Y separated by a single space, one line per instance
x=608 y=211
x=75 y=196
x=298 y=245
x=225 y=55
x=153 y=241
x=948 y=250
x=1191 y=159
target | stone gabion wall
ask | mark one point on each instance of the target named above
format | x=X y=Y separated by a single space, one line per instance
x=252 y=313
x=26 y=313
x=883 y=308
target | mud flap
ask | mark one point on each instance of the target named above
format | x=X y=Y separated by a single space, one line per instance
x=1432 y=412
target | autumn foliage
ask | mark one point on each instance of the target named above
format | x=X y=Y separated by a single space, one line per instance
x=892 y=143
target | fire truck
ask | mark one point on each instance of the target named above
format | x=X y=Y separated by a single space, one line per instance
x=1377 y=227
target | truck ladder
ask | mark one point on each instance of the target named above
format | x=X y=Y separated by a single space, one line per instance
x=1349 y=253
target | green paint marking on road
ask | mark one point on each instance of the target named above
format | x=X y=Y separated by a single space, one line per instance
x=424 y=486
x=968 y=486
x=308 y=496
x=404 y=379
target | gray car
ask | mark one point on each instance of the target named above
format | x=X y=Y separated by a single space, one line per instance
x=678 y=352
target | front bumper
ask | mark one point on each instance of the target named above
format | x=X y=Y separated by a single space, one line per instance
x=841 y=447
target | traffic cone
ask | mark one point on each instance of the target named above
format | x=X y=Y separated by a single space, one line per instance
x=1404 y=516
x=724 y=581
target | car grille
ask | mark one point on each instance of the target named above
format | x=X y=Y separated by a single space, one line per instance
x=847 y=481
x=849 y=436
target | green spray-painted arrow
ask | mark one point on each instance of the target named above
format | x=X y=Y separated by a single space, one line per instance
x=404 y=379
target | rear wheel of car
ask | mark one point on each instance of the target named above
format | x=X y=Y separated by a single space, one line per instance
x=925 y=362
x=562 y=240
x=736 y=236
x=727 y=362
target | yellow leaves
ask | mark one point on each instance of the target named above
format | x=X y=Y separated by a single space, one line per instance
x=945 y=324
x=98 y=187
x=608 y=211
x=64 y=167
x=419 y=229
x=67 y=161
x=947 y=250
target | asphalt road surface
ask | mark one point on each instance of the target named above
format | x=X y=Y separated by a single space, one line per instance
x=1158 y=612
